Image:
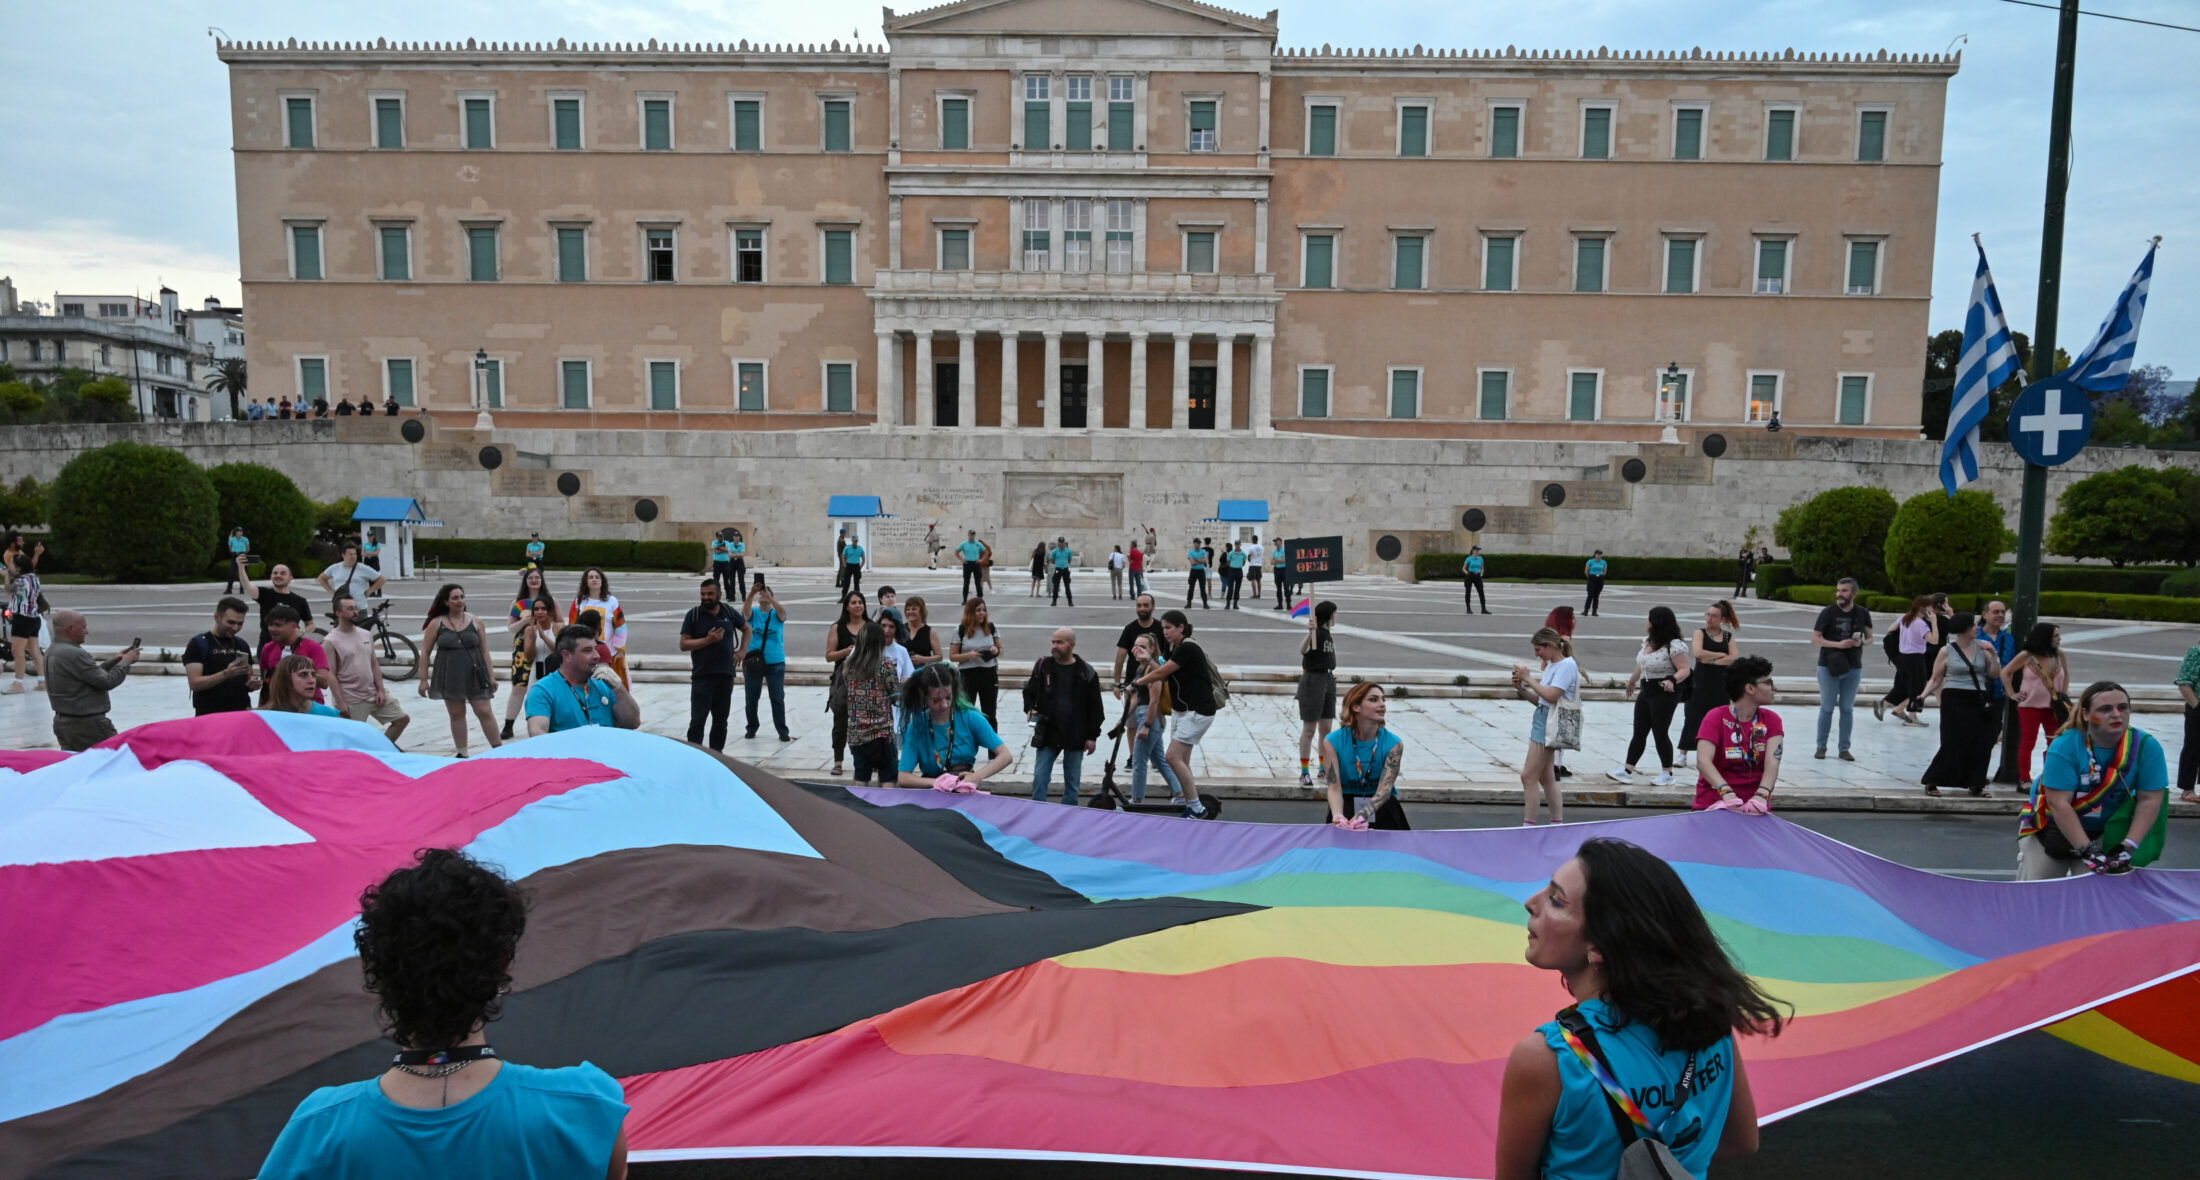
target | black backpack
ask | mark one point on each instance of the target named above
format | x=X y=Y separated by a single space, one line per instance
x=1892 y=645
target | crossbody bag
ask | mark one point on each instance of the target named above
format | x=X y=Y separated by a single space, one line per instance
x=1643 y=1151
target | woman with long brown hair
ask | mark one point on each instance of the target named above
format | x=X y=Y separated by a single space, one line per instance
x=1712 y=648
x=976 y=655
x=1916 y=636
x=454 y=665
x=840 y=642
x=290 y=688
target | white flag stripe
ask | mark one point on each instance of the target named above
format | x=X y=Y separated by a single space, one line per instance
x=1988 y=359
x=2105 y=364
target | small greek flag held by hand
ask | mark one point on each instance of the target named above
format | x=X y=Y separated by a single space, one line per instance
x=1989 y=360
x=1304 y=608
x=2106 y=363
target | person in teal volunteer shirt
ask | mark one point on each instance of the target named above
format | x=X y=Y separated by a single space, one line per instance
x=535 y=551
x=768 y=642
x=971 y=552
x=1233 y=575
x=370 y=552
x=1594 y=571
x=1655 y=995
x=2099 y=799
x=1472 y=567
x=239 y=546
x=1277 y=559
x=1059 y=558
x=584 y=692
x=721 y=566
x=1197 y=556
x=942 y=732
x=851 y=568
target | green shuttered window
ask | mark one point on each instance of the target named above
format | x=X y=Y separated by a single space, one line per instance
x=1779 y=135
x=305 y=248
x=1871 y=136
x=1202 y=124
x=840 y=256
x=1863 y=268
x=480 y=125
x=1505 y=132
x=492 y=384
x=1412 y=131
x=573 y=382
x=1038 y=124
x=748 y=125
x=1855 y=393
x=1581 y=398
x=389 y=123
x=837 y=125
x=1122 y=122
x=1405 y=393
x=954 y=249
x=1497 y=269
x=1596 y=133
x=657 y=124
x=1408 y=271
x=1313 y=393
x=664 y=385
x=840 y=388
x=572 y=254
x=481 y=254
x=566 y=114
x=1588 y=264
x=1077 y=134
x=1688 y=133
x=396 y=254
x=299 y=121
x=312 y=378
x=400 y=372
x=1321 y=131
x=1321 y=251
x=955 y=123
x=1496 y=392
x=749 y=384
x=1199 y=252
x=1680 y=266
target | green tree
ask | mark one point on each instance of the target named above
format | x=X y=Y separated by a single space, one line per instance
x=336 y=522
x=2130 y=514
x=229 y=377
x=1947 y=543
x=137 y=512
x=25 y=505
x=268 y=506
x=113 y=391
x=1836 y=534
x=20 y=400
x=1943 y=351
x=2118 y=423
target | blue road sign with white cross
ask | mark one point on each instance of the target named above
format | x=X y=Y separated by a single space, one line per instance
x=2051 y=421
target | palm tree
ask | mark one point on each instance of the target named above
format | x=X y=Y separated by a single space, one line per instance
x=228 y=377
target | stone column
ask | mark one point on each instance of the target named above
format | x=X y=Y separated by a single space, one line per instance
x=966 y=375
x=1096 y=385
x=1180 y=390
x=1009 y=399
x=1053 y=416
x=1225 y=364
x=1138 y=381
x=1262 y=417
x=889 y=380
x=924 y=410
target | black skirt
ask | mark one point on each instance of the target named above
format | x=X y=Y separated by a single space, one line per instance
x=1967 y=734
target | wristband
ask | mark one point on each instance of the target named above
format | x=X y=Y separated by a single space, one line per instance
x=2131 y=844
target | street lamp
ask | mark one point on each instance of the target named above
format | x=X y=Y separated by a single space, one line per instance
x=1669 y=395
x=482 y=421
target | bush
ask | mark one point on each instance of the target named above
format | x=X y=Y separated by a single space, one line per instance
x=2182 y=584
x=565 y=556
x=1943 y=542
x=2127 y=515
x=1773 y=578
x=137 y=512
x=334 y=523
x=1805 y=595
x=1559 y=567
x=24 y=505
x=1838 y=534
x=277 y=517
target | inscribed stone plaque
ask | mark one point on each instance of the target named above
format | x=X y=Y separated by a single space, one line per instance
x=600 y=510
x=1517 y=518
x=1046 y=500
x=1759 y=444
x=446 y=455
x=1665 y=468
x=1589 y=493
x=522 y=481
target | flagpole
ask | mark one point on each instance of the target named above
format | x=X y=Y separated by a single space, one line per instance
x=2032 y=512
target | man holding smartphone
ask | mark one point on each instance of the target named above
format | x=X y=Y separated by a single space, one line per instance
x=219 y=666
x=77 y=685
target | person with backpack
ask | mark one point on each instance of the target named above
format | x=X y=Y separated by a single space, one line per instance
x=1196 y=687
x=1910 y=645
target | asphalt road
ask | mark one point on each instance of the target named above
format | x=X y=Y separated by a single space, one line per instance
x=1382 y=624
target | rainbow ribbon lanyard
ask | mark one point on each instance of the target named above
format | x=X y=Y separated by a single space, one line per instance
x=1619 y=1094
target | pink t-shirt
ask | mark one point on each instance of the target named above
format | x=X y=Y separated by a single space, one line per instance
x=273 y=653
x=1738 y=751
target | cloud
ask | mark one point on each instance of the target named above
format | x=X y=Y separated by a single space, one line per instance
x=82 y=257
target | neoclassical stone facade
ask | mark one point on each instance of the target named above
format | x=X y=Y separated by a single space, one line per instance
x=1092 y=215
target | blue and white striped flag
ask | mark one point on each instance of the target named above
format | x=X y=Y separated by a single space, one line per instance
x=1989 y=359
x=2106 y=363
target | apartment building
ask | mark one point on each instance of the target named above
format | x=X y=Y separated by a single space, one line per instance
x=1092 y=215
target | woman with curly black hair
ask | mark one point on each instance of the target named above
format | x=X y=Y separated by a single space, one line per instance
x=436 y=941
x=1649 y=1042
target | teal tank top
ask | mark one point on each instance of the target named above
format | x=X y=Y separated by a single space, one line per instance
x=1360 y=764
x=1584 y=1143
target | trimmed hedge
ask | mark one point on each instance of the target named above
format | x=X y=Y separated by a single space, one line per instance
x=2147 y=608
x=1774 y=577
x=1558 y=567
x=2182 y=584
x=574 y=555
x=2096 y=579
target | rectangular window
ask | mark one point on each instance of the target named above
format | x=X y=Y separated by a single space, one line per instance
x=954 y=249
x=840 y=387
x=573 y=384
x=1038 y=113
x=1407 y=257
x=748 y=125
x=1497 y=263
x=837 y=126
x=1680 y=266
x=664 y=385
x=1321 y=253
x=1120 y=231
x=300 y=124
x=1122 y=112
x=480 y=125
x=749 y=384
x=1588 y=264
x=389 y=123
x=1863 y=268
x=1321 y=131
x=492 y=383
x=572 y=254
x=748 y=256
x=1581 y=397
x=312 y=378
x=954 y=124
x=398 y=380
x=1688 y=133
x=396 y=253
x=657 y=244
x=1077 y=236
x=1871 y=136
x=1077 y=111
x=1038 y=220
x=1764 y=396
x=1199 y=252
x=1413 y=131
x=1496 y=393
x=1855 y=400
x=1405 y=393
x=1596 y=133
x=305 y=251
x=656 y=124
x=481 y=254
x=1779 y=135
x=1504 y=132
x=161 y=364
x=1313 y=393
x=840 y=256
x=566 y=116
x=1772 y=266
x=1202 y=125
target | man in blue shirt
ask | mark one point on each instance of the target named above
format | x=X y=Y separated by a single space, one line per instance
x=585 y=691
x=1594 y=571
x=1233 y=574
x=721 y=566
x=971 y=551
x=851 y=569
x=1472 y=566
x=535 y=550
x=1197 y=556
x=1059 y=557
x=239 y=549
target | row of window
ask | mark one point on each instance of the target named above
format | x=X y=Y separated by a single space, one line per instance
x=576 y=387
x=1493 y=390
x=107 y=311
x=1501 y=253
x=567 y=122
x=38 y=353
x=484 y=253
x=1507 y=120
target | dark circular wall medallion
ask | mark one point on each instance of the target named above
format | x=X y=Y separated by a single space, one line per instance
x=1714 y=445
x=1554 y=495
x=645 y=510
x=1388 y=548
x=1633 y=470
x=492 y=458
x=569 y=484
x=1474 y=520
x=413 y=429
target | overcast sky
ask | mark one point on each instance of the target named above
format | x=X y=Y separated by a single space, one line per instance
x=117 y=134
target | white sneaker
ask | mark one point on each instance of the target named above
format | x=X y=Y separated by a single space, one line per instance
x=1664 y=779
x=14 y=686
x=1620 y=776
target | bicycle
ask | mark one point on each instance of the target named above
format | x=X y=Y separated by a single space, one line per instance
x=391 y=647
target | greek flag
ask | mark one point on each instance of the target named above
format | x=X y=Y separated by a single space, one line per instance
x=2106 y=363
x=1989 y=359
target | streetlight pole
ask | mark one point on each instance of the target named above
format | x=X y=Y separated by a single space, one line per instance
x=1669 y=390
x=482 y=421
